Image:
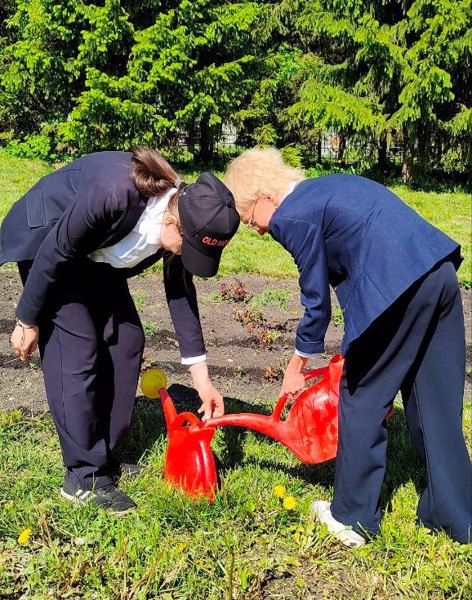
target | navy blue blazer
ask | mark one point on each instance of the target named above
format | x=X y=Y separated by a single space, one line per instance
x=357 y=236
x=89 y=204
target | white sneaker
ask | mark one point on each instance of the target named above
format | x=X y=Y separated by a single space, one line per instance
x=322 y=510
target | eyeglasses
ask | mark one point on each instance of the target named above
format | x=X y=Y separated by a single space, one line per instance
x=250 y=223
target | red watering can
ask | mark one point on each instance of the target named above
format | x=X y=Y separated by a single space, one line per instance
x=310 y=430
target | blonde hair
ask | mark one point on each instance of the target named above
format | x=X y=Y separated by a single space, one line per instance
x=260 y=171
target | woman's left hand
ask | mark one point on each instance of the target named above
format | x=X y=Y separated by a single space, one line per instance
x=212 y=400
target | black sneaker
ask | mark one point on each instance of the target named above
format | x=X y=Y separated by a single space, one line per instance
x=108 y=497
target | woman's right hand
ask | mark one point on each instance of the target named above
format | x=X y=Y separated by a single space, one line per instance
x=24 y=340
x=294 y=380
x=212 y=400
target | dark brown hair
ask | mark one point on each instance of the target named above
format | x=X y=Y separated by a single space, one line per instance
x=152 y=174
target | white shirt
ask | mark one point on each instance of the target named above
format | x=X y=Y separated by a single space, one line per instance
x=142 y=241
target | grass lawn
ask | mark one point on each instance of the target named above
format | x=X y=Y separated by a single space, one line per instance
x=249 y=544
x=246 y=544
x=16 y=176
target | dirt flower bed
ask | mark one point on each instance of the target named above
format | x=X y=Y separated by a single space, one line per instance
x=249 y=324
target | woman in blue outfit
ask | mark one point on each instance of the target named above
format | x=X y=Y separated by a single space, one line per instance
x=77 y=236
x=394 y=275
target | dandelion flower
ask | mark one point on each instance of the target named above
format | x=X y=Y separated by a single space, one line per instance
x=280 y=491
x=24 y=536
x=181 y=548
x=290 y=503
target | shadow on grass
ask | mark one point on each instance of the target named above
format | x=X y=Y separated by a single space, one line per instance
x=148 y=428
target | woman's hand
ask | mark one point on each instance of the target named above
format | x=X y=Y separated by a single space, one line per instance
x=24 y=340
x=212 y=400
x=294 y=380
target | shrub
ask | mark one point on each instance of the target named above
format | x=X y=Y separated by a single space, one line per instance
x=33 y=146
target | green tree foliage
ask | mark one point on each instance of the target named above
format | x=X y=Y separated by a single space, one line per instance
x=83 y=75
x=434 y=105
x=380 y=70
x=38 y=75
x=185 y=75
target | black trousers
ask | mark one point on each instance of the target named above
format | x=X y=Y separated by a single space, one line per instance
x=91 y=343
x=417 y=346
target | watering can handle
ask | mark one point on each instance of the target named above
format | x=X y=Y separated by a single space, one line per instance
x=174 y=420
x=310 y=374
x=183 y=417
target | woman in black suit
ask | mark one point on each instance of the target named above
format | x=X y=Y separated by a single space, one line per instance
x=77 y=236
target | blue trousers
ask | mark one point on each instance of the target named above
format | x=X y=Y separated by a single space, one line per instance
x=417 y=347
x=91 y=343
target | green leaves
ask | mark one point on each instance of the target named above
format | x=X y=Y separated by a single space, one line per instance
x=381 y=72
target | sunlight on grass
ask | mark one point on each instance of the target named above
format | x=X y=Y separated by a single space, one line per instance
x=450 y=212
x=17 y=175
x=251 y=253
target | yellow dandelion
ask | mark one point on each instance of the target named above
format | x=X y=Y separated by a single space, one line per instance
x=24 y=536
x=280 y=491
x=181 y=548
x=290 y=503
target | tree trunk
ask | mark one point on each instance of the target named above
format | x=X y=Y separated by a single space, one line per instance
x=318 y=149
x=205 y=154
x=407 y=158
x=191 y=139
x=382 y=162
x=341 y=149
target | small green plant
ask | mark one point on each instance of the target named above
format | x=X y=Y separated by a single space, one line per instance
x=139 y=297
x=149 y=328
x=256 y=325
x=337 y=317
x=238 y=371
x=213 y=297
x=267 y=337
x=272 y=374
x=269 y=296
x=249 y=316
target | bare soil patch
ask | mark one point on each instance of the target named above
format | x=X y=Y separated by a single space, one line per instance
x=249 y=325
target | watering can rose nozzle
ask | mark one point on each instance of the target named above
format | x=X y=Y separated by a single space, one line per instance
x=152 y=381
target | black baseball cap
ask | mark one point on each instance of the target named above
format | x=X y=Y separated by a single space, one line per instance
x=208 y=219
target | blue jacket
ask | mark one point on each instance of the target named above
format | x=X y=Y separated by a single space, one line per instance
x=89 y=204
x=360 y=238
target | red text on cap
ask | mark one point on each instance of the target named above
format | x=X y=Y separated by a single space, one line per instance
x=209 y=241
